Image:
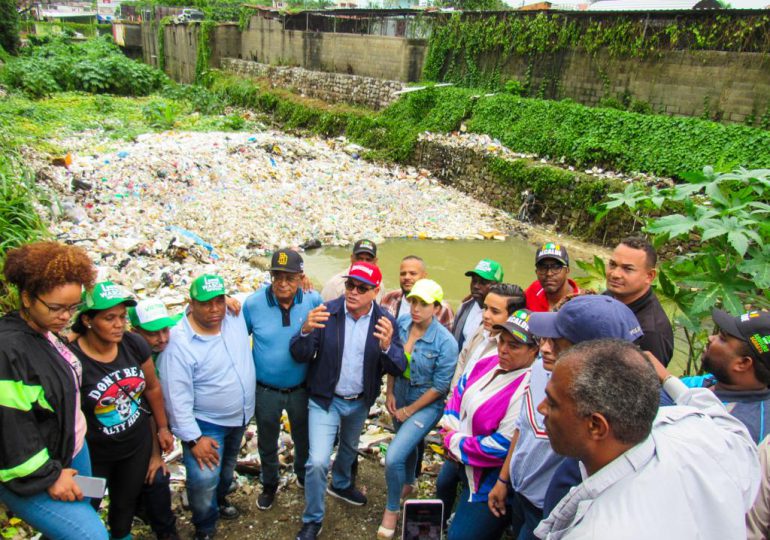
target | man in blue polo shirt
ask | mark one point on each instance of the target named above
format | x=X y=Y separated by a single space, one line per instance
x=273 y=315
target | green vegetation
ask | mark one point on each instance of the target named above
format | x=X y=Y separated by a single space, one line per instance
x=583 y=136
x=720 y=222
x=215 y=10
x=58 y=64
x=9 y=26
x=19 y=220
x=471 y=49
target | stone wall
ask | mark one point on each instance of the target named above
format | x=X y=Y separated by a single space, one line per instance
x=721 y=85
x=562 y=197
x=383 y=57
x=332 y=87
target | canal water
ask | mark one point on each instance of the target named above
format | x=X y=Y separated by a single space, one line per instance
x=446 y=260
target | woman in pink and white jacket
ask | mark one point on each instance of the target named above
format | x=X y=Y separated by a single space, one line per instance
x=477 y=426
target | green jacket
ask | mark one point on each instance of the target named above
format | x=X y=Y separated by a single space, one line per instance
x=37 y=409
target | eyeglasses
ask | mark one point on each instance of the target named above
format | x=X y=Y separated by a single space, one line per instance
x=56 y=309
x=362 y=289
x=549 y=268
x=287 y=277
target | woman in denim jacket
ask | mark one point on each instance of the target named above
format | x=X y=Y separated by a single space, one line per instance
x=415 y=399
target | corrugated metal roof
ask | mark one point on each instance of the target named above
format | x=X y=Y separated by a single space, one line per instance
x=651 y=5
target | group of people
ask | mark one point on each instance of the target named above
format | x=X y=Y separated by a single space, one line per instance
x=558 y=416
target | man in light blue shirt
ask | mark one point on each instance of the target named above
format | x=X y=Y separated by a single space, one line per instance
x=207 y=378
x=273 y=315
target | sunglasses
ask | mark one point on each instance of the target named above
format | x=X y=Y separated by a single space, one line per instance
x=549 y=268
x=362 y=289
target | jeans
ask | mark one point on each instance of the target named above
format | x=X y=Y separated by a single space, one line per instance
x=346 y=417
x=58 y=519
x=525 y=516
x=472 y=520
x=269 y=405
x=206 y=488
x=155 y=505
x=401 y=458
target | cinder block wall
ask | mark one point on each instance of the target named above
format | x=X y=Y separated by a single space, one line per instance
x=728 y=86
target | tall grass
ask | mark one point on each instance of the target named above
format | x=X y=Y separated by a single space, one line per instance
x=20 y=222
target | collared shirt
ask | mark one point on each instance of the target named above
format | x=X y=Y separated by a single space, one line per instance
x=480 y=346
x=272 y=327
x=209 y=378
x=537 y=299
x=534 y=462
x=658 y=335
x=351 y=381
x=473 y=321
x=694 y=476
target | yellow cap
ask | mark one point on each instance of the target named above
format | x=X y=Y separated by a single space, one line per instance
x=427 y=290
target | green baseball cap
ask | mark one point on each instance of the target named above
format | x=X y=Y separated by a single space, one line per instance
x=427 y=290
x=206 y=287
x=105 y=295
x=151 y=315
x=488 y=269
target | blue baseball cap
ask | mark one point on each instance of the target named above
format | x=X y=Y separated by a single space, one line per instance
x=584 y=318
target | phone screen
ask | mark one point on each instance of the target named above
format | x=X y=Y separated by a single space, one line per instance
x=91 y=486
x=422 y=520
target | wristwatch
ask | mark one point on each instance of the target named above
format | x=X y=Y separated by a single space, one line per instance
x=193 y=442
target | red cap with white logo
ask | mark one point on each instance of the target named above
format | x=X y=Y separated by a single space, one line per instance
x=366 y=273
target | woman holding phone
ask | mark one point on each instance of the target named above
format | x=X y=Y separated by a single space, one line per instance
x=43 y=448
x=415 y=399
x=121 y=398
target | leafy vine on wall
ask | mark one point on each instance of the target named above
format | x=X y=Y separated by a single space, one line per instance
x=469 y=49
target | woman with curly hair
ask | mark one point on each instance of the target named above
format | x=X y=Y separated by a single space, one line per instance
x=43 y=444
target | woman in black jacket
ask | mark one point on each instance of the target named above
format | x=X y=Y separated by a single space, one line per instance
x=42 y=448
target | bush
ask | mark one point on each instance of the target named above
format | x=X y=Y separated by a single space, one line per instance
x=55 y=64
x=9 y=26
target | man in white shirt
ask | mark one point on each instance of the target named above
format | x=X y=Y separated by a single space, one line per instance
x=687 y=471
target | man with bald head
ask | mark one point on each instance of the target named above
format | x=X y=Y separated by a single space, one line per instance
x=685 y=471
x=412 y=270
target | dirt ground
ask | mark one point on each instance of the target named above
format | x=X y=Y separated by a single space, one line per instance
x=284 y=519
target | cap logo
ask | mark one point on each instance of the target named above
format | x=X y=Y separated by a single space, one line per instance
x=364 y=269
x=636 y=330
x=283 y=259
x=550 y=249
x=366 y=243
x=750 y=315
x=211 y=285
x=521 y=318
x=760 y=343
x=484 y=266
x=110 y=292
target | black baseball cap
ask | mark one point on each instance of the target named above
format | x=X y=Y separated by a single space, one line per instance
x=554 y=251
x=752 y=327
x=365 y=246
x=287 y=260
x=518 y=326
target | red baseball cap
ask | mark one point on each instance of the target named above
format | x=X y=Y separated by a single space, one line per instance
x=365 y=272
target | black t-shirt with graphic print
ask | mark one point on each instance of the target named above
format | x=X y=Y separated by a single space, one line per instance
x=112 y=399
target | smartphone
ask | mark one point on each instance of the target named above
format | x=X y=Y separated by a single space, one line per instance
x=423 y=519
x=91 y=486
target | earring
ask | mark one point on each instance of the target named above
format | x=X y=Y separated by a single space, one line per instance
x=88 y=326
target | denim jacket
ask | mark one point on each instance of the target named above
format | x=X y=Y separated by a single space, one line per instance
x=434 y=356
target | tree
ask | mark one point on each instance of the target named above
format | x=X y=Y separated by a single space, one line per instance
x=9 y=26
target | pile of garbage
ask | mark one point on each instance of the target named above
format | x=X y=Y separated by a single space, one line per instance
x=157 y=212
x=486 y=145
